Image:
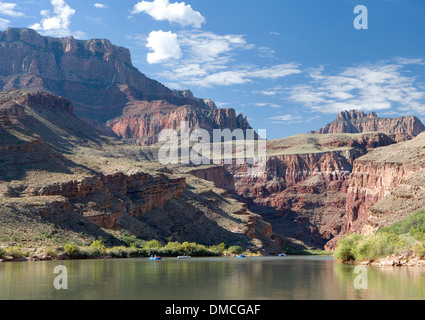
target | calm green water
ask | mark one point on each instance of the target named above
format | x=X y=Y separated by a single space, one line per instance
x=210 y=278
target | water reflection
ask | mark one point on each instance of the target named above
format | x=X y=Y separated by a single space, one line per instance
x=300 y=278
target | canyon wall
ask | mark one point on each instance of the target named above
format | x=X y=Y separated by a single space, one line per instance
x=100 y=80
x=385 y=186
x=144 y=128
x=302 y=194
x=59 y=170
x=355 y=121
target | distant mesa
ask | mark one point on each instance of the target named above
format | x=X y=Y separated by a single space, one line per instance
x=355 y=121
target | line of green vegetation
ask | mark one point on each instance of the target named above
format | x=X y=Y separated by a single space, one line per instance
x=405 y=236
x=306 y=252
x=140 y=248
x=13 y=252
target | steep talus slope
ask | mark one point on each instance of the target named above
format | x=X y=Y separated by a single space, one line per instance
x=58 y=169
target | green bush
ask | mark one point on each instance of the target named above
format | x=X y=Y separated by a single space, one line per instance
x=153 y=244
x=15 y=252
x=218 y=249
x=379 y=245
x=419 y=249
x=97 y=248
x=413 y=225
x=71 y=250
x=356 y=247
x=2 y=252
x=119 y=252
x=346 y=247
x=235 y=250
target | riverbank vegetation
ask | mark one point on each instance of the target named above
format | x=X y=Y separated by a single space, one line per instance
x=407 y=236
x=132 y=247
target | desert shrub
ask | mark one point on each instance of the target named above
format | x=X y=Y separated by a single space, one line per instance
x=71 y=250
x=119 y=252
x=378 y=246
x=218 y=249
x=356 y=247
x=346 y=247
x=131 y=240
x=52 y=252
x=15 y=252
x=413 y=225
x=235 y=250
x=153 y=244
x=419 y=249
x=97 y=248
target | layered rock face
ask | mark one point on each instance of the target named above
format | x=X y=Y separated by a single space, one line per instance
x=58 y=169
x=302 y=192
x=218 y=175
x=141 y=128
x=386 y=186
x=101 y=81
x=355 y=121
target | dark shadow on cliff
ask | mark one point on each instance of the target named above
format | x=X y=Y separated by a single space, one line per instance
x=297 y=231
x=186 y=219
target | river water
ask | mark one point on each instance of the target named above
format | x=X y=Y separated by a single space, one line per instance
x=283 y=278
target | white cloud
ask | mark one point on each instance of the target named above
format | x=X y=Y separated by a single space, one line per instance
x=177 y=12
x=100 y=6
x=209 y=47
x=374 y=87
x=207 y=60
x=58 y=23
x=9 y=9
x=287 y=118
x=4 y=23
x=266 y=104
x=164 y=45
x=236 y=76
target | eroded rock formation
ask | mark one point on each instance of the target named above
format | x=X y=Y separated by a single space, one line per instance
x=103 y=85
x=355 y=121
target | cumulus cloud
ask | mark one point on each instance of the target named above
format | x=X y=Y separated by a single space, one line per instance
x=164 y=45
x=100 y=6
x=58 y=23
x=177 y=12
x=380 y=86
x=208 y=58
x=9 y=9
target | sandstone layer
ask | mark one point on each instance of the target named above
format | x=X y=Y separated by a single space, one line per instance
x=354 y=121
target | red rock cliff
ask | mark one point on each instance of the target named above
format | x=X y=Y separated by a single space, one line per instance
x=102 y=83
x=389 y=179
x=355 y=121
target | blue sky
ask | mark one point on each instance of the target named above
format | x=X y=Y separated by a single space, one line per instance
x=289 y=66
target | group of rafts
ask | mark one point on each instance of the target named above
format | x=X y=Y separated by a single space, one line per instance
x=155 y=257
